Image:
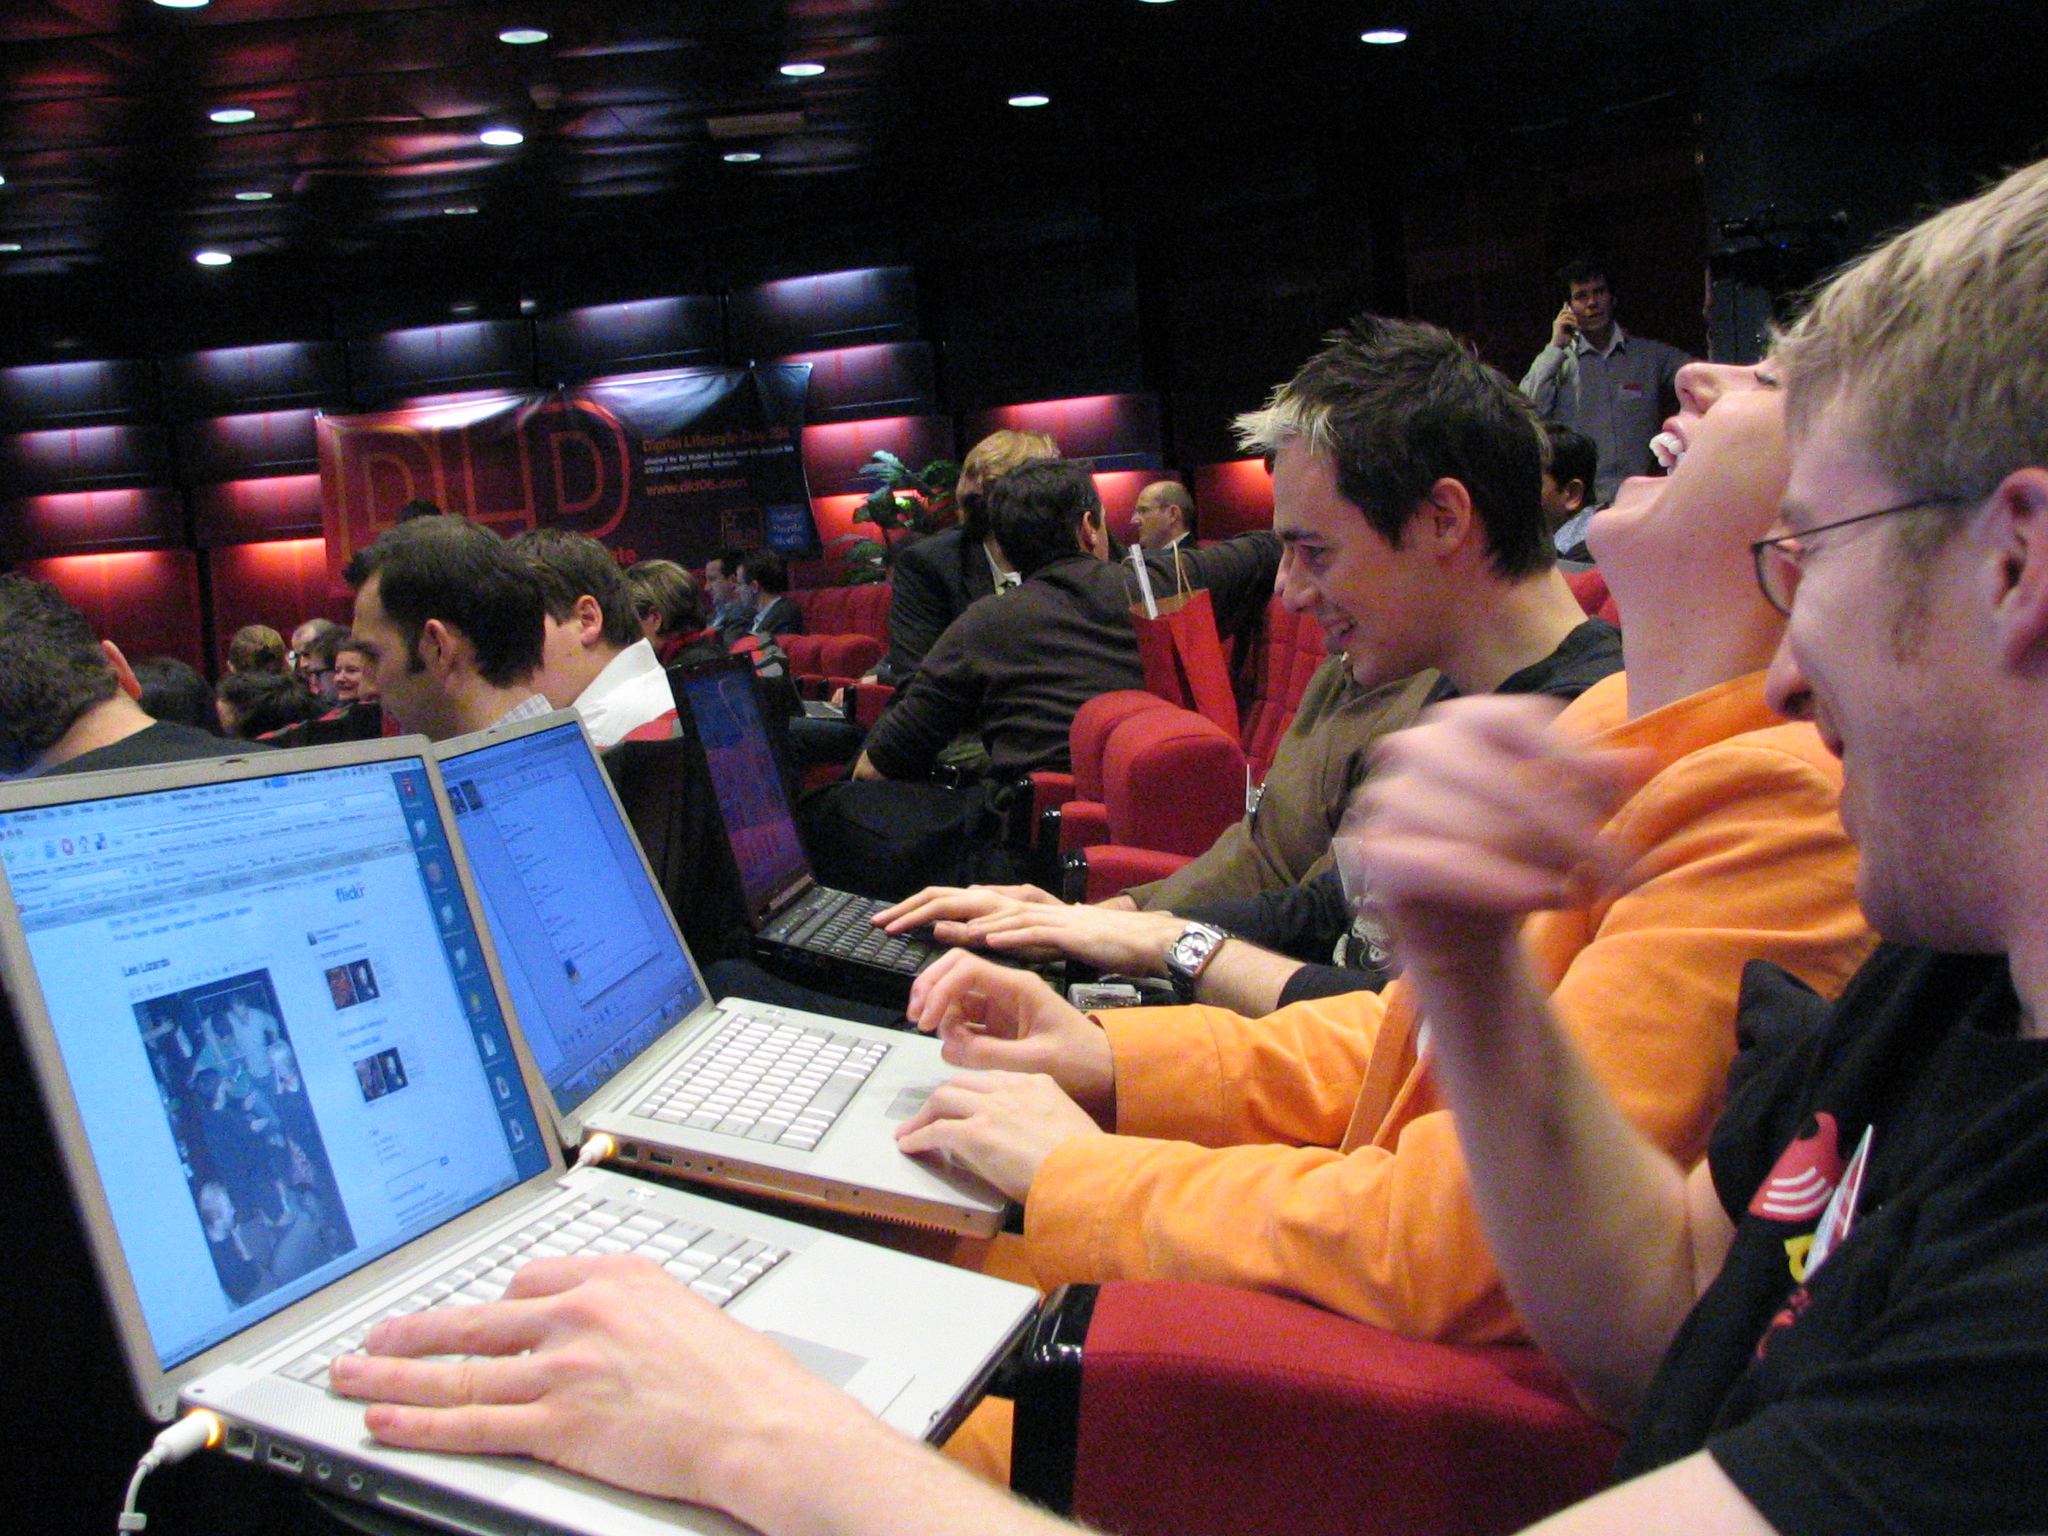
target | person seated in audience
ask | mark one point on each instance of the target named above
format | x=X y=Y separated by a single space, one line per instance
x=594 y=658
x=450 y=621
x=1410 y=508
x=1568 y=480
x=762 y=592
x=68 y=699
x=670 y=605
x=934 y=579
x=352 y=681
x=256 y=648
x=721 y=591
x=312 y=655
x=1014 y=669
x=172 y=691
x=1832 y=1320
x=1165 y=515
x=254 y=704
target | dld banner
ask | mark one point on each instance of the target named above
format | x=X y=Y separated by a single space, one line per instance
x=675 y=465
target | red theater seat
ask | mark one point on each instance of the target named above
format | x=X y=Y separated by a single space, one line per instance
x=1293 y=650
x=846 y=631
x=1234 y=1413
x=1590 y=588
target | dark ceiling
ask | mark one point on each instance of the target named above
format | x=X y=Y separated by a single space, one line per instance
x=1167 y=122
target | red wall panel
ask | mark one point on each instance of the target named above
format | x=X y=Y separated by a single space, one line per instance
x=146 y=602
x=1112 y=431
x=245 y=511
x=282 y=584
x=92 y=522
x=834 y=454
x=1233 y=498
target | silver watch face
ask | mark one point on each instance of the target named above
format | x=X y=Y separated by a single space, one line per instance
x=1192 y=948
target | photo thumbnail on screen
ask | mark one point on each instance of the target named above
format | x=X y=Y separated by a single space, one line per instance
x=254 y=1159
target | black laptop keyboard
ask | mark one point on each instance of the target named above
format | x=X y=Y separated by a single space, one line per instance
x=838 y=924
x=716 y=1265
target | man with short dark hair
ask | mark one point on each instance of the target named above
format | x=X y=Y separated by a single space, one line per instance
x=1568 y=481
x=594 y=657
x=721 y=590
x=762 y=590
x=1164 y=516
x=451 y=622
x=312 y=655
x=1595 y=377
x=68 y=699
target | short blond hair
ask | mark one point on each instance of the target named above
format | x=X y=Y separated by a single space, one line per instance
x=1937 y=344
x=987 y=462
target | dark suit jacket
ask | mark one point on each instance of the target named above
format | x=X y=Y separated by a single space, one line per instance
x=781 y=617
x=934 y=581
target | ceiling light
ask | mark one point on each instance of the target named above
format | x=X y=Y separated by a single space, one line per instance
x=231 y=114
x=3 y=181
x=463 y=307
x=742 y=157
x=460 y=208
x=520 y=36
x=802 y=71
x=181 y=5
x=1030 y=99
x=502 y=138
x=1384 y=36
x=254 y=197
x=10 y=245
x=1158 y=2
x=211 y=258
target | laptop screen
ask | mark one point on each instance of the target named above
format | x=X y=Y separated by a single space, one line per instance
x=279 y=1028
x=590 y=957
x=727 y=715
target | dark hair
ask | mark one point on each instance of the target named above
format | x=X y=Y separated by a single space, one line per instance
x=1573 y=456
x=173 y=691
x=419 y=506
x=572 y=565
x=320 y=644
x=670 y=593
x=266 y=701
x=1584 y=270
x=1400 y=405
x=51 y=670
x=729 y=560
x=764 y=568
x=1035 y=512
x=256 y=648
x=449 y=569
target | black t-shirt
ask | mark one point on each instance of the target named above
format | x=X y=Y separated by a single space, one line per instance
x=1309 y=922
x=1902 y=1385
x=165 y=741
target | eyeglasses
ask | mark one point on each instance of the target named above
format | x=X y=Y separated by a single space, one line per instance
x=1777 y=557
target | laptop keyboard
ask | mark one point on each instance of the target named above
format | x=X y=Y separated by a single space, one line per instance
x=767 y=1080
x=716 y=1265
x=837 y=923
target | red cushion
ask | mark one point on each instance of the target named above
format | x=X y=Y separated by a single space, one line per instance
x=1090 y=732
x=1171 y=780
x=1241 y=1414
x=1083 y=822
x=1048 y=789
x=867 y=610
x=1114 y=868
x=1293 y=650
x=806 y=653
x=1589 y=587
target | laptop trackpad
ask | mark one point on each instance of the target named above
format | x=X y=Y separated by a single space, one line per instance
x=868 y=1382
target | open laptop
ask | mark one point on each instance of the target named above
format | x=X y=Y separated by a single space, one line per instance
x=741 y=1094
x=269 y=1029
x=823 y=931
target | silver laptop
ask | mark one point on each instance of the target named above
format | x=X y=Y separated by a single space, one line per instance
x=758 y=1098
x=271 y=1034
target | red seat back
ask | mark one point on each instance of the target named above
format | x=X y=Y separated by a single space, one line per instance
x=1089 y=734
x=1171 y=780
x=1293 y=650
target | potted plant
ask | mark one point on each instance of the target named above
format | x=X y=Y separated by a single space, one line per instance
x=906 y=505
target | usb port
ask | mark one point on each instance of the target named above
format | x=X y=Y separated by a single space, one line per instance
x=662 y=1159
x=240 y=1442
x=285 y=1459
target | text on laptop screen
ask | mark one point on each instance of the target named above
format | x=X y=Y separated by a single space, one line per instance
x=279 y=1028
x=764 y=838
x=594 y=967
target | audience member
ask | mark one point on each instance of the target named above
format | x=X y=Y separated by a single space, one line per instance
x=353 y=683
x=1600 y=380
x=935 y=578
x=450 y=622
x=594 y=658
x=1406 y=484
x=256 y=648
x=762 y=592
x=721 y=588
x=172 y=691
x=67 y=700
x=1165 y=515
x=670 y=605
x=419 y=506
x=1568 y=481
x=253 y=704
x=1016 y=670
x=312 y=655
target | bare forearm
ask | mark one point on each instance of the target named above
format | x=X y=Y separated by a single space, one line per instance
x=1245 y=979
x=1588 y=1220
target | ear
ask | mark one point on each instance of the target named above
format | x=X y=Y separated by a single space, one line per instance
x=588 y=619
x=124 y=674
x=1445 y=519
x=1573 y=493
x=437 y=645
x=2020 y=529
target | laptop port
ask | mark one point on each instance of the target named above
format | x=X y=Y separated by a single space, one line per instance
x=240 y=1442
x=285 y=1459
x=628 y=1150
x=662 y=1159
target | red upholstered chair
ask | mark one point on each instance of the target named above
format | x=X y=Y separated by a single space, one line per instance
x=1172 y=780
x=1590 y=588
x=1168 y=1407
x=846 y=630
x=1293 y=650
x=1069 y=805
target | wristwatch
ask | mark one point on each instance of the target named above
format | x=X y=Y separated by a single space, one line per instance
x=1189 y=955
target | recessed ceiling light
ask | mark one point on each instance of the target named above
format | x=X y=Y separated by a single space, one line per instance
x=1158 y=2
x=460 y=208
x=1030 y=99
x=3 y=181
x=212 y=258
x=1385 y=36
x=254 y=197
x=502 y=138
x=742 y=157
x=462 y=307
x=181 y=5
x=802 y=71
x=10 y=245
x=231 y=114
x=520 y=36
